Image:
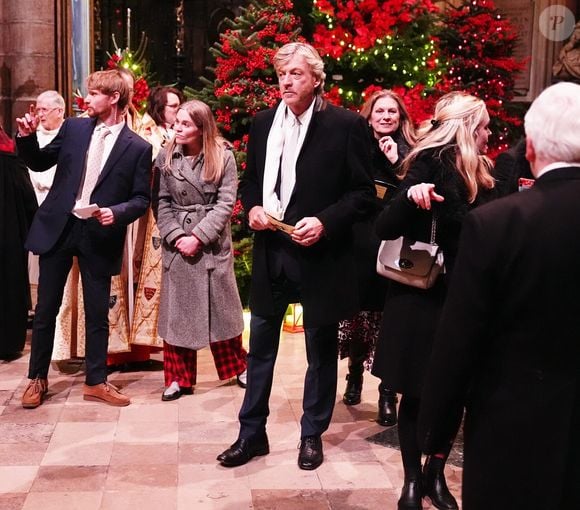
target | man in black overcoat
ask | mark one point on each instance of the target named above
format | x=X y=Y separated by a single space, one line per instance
x=508 y=342
x=307 y=167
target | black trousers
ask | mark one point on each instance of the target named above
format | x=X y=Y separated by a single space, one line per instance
x=321 y=375
x=54 y=269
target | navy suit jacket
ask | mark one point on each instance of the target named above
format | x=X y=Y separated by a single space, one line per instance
x=123 y=186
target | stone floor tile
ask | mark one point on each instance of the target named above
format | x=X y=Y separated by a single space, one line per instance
x=12 y=501
x=70 y=479
x=22 y=454
x=143 y=454
x=201 y=453
x=233 y=496
x=277 y=499
x=63 y=501
x=18 y=433
x=147 y=432
x=353 y=475
x=367 y=499
x=150 y=499
x=204 y=431
x=89 y=413
x=5 y=396
x=15 y=479
x=138 y=477
x=160 y=412
x=281 y=472
x=46 y=413
x=208 y=475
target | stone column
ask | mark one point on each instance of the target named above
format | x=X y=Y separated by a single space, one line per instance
x=27 y=55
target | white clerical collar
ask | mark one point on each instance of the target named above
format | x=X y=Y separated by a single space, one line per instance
x=48 y=132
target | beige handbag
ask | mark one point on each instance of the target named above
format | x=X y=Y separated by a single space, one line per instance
x=413 y=263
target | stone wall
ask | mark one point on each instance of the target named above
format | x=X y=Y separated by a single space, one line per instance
x=27 y=55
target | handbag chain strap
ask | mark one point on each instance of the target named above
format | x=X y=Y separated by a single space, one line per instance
x=433 y=228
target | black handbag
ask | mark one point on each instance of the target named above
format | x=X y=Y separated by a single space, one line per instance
x=411 y=262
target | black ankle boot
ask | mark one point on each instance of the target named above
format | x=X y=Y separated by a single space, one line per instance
x=411 y=495
x=387 y=407
x=435 y=486
x=353 y=389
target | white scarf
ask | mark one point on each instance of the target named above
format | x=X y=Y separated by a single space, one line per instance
x=274 y=147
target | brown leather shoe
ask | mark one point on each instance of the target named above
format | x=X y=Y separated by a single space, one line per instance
x=34 y=393
x=105 y=393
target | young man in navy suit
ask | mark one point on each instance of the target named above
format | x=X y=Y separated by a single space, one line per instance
x=101 y=165
x=307 y=167
x=508 y=347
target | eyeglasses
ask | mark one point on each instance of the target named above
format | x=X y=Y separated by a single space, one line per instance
x=46 y=110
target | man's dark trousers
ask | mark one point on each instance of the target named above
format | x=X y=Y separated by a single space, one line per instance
x=321 y=376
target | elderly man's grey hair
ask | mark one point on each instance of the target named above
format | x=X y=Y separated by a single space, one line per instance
x=52 y=97
x=553 y=123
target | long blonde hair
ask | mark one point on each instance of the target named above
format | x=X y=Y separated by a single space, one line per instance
x=405 y=124
x=213 y=144
x=456 y=118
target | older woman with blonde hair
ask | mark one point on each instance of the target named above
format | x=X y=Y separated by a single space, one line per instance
x=393 y=135
x=446 y=175
x=200 y=304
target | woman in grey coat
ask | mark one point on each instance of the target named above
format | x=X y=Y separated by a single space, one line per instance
x=200 y=304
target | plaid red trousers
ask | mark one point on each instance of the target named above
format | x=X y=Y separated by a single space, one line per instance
x=180 y=363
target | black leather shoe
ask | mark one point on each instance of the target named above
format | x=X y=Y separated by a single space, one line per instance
x=242 y=379
x=310 y=456
x=173 y=392
x=435 y=486
x=244 y=450
x=387 y=416
x=352 y=392
x=411 y=495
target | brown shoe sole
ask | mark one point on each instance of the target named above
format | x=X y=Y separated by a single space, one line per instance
x=34 y=405
x=31 y=406
x=108 y=402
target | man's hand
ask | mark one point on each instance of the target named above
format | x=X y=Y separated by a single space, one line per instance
x=307 y=231
x=258 y=220
x=423 y=194
x=105 y=216
x=188 y=246
x=28 y=124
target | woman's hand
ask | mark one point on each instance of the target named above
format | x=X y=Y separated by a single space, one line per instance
x=423 y=194
x=188 y=246
x=389 y=148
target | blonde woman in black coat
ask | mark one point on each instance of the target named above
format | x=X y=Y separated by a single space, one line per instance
x=393 y=135
x=447 y=175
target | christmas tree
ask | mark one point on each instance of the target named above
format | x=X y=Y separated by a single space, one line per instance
x=374 y=44
x=477 y=43
x=405 y=45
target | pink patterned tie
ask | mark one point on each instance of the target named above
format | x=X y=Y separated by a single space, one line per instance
x=94 y=160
